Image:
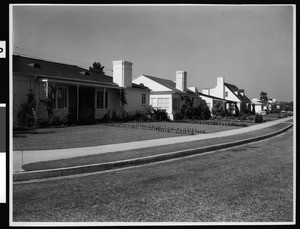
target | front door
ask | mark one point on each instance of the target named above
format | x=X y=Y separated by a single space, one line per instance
x=86 y=104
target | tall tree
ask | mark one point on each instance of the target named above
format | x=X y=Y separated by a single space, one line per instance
x=97 y=68
x=264 y=96
x=264 y=100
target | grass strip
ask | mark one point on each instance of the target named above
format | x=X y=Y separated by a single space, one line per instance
x=150 y=151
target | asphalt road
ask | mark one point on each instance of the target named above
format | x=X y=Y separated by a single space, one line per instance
x=249 y=183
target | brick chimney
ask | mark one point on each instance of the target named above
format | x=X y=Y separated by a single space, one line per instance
x=181 y=80
x=122 y=73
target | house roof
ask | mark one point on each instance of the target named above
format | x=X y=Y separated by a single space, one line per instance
x=169 y=84
x=43 y=68
x=213 y=97
x=139 y=86
x=234 y=89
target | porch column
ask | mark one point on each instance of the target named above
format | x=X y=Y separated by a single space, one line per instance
x=77 y=101
x=104 y=99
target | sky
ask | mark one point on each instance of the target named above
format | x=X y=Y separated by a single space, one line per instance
x=251 y=46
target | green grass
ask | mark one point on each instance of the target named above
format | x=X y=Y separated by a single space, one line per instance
x=129 y=154
x=93 y=135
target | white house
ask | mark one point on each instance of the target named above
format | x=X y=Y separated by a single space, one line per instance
x=258 y=105
x=137 y=95
x=167 y=94
x=231 y=93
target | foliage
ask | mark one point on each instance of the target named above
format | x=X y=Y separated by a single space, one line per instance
x=253 y=109
x=264 y=97
x=202 y=111
x=122 y=96
x=160 y=115
x=156 y=114
x=219 y=108
x=97 y=68
x=258 y=118
x=28 y=115
x=161 y=128
x=188 y=111
x=286 y=106
x=49 y=102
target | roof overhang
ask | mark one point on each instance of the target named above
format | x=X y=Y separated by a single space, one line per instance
x=79 y=82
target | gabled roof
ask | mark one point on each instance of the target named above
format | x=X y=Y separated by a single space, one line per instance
x=169 y=84
x=214 y=97
x=234 y=89
x=43 y=68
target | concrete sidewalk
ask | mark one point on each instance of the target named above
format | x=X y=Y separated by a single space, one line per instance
x=26 y=157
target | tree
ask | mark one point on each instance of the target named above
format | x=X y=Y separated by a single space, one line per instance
x=97 y=68
x=202 y=111
x=264 y=96
x=264 y=99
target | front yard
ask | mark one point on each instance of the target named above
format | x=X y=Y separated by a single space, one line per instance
x=92 y=135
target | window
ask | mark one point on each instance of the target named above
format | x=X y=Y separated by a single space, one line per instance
x=61 y=98
x=163 y=103
x=102 y=99
x=226 y=93
x=176 y=102
x=143 y=98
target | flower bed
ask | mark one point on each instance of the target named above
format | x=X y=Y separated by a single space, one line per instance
x=214 y=122
x=162 y=128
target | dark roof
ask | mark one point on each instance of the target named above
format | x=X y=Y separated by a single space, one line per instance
x=139 y=86
x=234 y=89
x=169 y=84
x=43 y=68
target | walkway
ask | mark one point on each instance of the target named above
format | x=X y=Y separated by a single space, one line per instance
x=26 y=157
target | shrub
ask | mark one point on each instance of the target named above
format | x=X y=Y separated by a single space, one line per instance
x=258 y=118
x=28 y=115
x=178 y=116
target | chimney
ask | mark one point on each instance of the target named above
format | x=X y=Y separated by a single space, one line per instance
x=181 y=80
x=221 y=86
x=122 y=73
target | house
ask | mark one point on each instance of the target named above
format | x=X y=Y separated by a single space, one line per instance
x=80 y=94
x=229 y=92
x=167 y=94
x=212 y=100
x=258 y=105
x=137 y=95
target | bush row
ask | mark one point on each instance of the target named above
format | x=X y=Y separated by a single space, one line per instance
x=179 y=130
x=213 y=122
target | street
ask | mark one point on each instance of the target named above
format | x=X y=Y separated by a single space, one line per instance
x=248 y=183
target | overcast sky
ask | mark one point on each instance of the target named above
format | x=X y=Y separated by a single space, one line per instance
x=251 y=46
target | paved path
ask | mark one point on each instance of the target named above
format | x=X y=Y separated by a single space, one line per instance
x=26 y=157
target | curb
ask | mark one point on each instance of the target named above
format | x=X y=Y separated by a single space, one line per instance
x=50 y=173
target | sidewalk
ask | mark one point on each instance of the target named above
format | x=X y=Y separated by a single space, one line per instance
x=47 y=155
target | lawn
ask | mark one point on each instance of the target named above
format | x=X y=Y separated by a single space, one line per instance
x=241 y=185
x=129 y=154
x=92 y=135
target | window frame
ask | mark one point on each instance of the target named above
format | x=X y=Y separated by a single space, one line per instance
x=104 y=99
x=66 y=105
